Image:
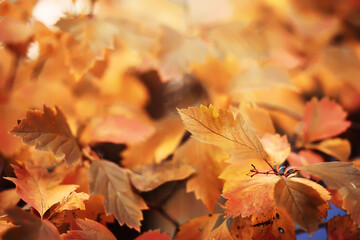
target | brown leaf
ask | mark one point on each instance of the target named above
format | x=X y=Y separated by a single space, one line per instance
x=150 y=176
x=343 y=177
x=221 y=129
x=342 y=228
x=323 y=119
x=89 y=230
x=31 y=227
x=112 y=182
x=39 y=188
x=49 y=131
x=304 y=200
x=241 y=228
x=209 y=160
x=336 y=147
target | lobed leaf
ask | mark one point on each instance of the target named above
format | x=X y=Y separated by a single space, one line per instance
x=49 y=131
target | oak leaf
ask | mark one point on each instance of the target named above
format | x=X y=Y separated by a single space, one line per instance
x=112 y=182
x=209 y=160
x=343 y=177
x=153 y=235
x=304 y=200
x=39 y=188
x=88 y=230
x=336 y=147
x=49 y=131
x=323 y=119
x=149 y=176
x=31 y=227
x=223 y=130
x=342 y=228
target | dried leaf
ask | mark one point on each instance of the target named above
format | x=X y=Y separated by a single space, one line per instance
x=323 y=119
x=197 y=228
x=150 y=176
x=112 y=182
x=153 y=235
x=39 y=188
x=340 y=228
x=208 y=159
x=276 y=147
x=72 y=202
x=49 y=131
x=304 y=200
x=221 y=129
x=343 y=177
x=304 y=157
x=241 y=228
x=31 y=227
x=8 y=198
x=88 y=230
x=336 y=147
x=221 y=232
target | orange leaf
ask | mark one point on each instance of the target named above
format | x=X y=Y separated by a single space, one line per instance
x=221 y=232
x=31 y=227
x=343 y=177
x=88 y=230
x=323 y=119
x=49 y=131
x=336 y=147
x=342 y=228
x=208 y=159
x=14 y=31
x=304 y=157
x=304 y=200
x=112 y=182
x=8 y=198
x=153 y=235
x=39 y=188
x=221 y=129
x=72 y=202
x=241 y=228
x=276 y=147
x=150 y=176
x=247 y=195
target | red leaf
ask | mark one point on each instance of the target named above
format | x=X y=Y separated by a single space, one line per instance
x=153 y=235
x=89 y=230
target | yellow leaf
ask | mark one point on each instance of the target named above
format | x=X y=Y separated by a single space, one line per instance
x=336 y=147
x=276 y=147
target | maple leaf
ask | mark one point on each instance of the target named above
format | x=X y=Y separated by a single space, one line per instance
x=247 y=195
x=342 y=228
x=208 y=159
x=149 y=176
x=336 y=147
x=343 y=177
x=88 y=230
x=89 y=39
x=153 y=235
x=8 y=198
x=323 y=119
x=157 y=147
x=72 y=202
x=49 y=131
x=39 y=188
x=31 y=227
x=304 y=200
x=112 y=182
x=197 y=228
x=221 y=129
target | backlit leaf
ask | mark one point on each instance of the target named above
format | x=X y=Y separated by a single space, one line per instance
x=88 y=230
x=336 y=147
x=112 y=182
x=49 y=131
x=153 y=235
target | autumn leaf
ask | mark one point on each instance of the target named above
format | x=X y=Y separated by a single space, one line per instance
x=304 y=200
x=149 y=176
x=241 y=228
x=72 y=202
x=276 y=147
x=336 y=147
x=221 y=232
x=247 y=196
x=88 y=230
x=39 y=188
x=89 y=38
x=208 y=159
x=323 y=119
x=14 y=31
x=197 y=228
x=304 y=157
x=31 y=227
x=49 y=131
x=153 y=235
x=112 y=182
x=157 y=147
x=342 y=228
x=343 y=177
x=221 y=129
